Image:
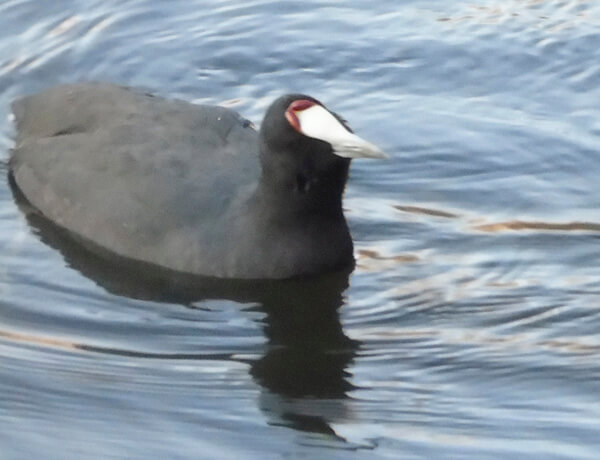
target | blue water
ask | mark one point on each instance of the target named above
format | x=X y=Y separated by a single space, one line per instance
x=470 y=327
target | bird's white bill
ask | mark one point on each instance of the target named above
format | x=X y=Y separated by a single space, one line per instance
x=317 y=122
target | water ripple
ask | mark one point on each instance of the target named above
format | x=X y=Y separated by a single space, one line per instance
x=469 y=327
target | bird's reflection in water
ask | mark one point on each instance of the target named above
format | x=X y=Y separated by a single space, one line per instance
x=304 y=373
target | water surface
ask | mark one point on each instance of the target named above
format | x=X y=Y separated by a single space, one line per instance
x=469 y=328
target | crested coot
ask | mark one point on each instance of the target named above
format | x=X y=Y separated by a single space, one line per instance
x=193 y=188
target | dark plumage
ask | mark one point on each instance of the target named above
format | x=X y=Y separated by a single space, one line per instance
x=193 y=188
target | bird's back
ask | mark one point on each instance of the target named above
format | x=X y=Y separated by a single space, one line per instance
x=158 y=174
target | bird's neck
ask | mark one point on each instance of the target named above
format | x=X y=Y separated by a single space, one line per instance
x=300 y=183
x=304 y=191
